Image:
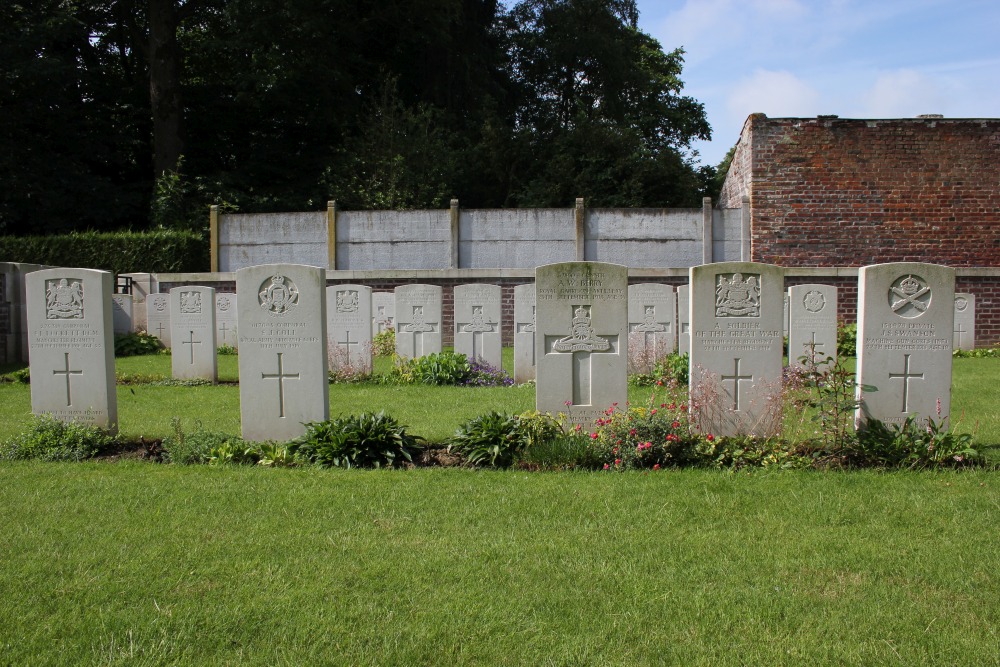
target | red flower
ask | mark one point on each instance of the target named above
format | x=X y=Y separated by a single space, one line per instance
x=710 y=437
x=672 y=406
x=653 y=411
x=656 y=466
x=618 y=462
x=676 y=424
x=593 y=436
x=606 y=466
x=632 y=432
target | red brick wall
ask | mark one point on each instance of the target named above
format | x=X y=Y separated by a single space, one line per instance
x=831 y=192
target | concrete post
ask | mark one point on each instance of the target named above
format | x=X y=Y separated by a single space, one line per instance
x=707 y=239
x=331 y=234
x=213 y=237
x=581 y=230
x=454 y=216
x=745 y=230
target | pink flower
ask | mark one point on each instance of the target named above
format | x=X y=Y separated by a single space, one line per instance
x=672 y=406
x=568 y=403
x=631 y=432
x=656 y=466
x=676 y=424
x=684 y=407
x=663 y=405
x=659 y=383
x=618 y=462
x=606 y=466
x=593 y=436
x=710 y=437
x=653 y=411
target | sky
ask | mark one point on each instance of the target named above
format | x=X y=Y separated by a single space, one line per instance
x=851 y=58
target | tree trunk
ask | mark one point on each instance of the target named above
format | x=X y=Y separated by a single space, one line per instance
x=164 y=85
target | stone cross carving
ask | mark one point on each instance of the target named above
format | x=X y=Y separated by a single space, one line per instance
x=649 y=327
x=280 y=376
x=477 y=326
x=347 y=343
x=581 y=343
x=191 y=342
x=736 y=378
x=906 y=376
x=418 y=327
x=67 y=372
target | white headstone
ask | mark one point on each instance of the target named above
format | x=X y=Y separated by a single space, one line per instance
x=226 y=321
x=736 y=348
x=906 y=323
x=349 y=327
x=784 y=323
x=418 y=320
x=582 y=339
x=158 y=317
x=965 y=321
x=283 y=363
x=651 y=308
x=524 y=333
x=477 y=323
x=72 y=346
x=684 y=319
x=121 y=305
x=812 y=331
x=383 y=312
x=192 y=328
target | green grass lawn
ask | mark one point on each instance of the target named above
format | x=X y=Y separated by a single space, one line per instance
x=432 y=412
x=138 y=564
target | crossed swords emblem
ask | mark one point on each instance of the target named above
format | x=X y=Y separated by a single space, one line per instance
x=910 y=299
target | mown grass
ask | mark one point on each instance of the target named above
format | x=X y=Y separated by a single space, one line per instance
x=431 y=412
x=140 y=565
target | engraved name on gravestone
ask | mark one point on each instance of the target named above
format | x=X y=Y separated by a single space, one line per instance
x=906 y=323
x=581 y=343
x=524 y=333
x=684 y=319
x=651 y=309
x=158 y=317
x=418 y=320
x=71 y=344
x=349 y=327
x=965 y=322
x=121 y=305
x=383 y=312
x=192 y=328
x=226 y=325
x=477 y=323
x=812 y=332
x=283 y=363
x=736 y=347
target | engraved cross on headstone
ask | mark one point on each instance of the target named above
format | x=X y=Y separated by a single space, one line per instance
x=649 y=327
x=418 y=327
x=812 y=346
x=159 y=330
x=67 y=372
x=477 y=326
x=191 y=342
x=580 y=345
x=224 y=329
x=906 y=376
x=959 y=331
x=280 y=376
x=347 y=343
x=528 y=328
x=736 y=378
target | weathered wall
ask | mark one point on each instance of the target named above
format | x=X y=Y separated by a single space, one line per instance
x=644 y=237
x=247 y=239
x=835 y=192
x=392 y=239
x=516 y=238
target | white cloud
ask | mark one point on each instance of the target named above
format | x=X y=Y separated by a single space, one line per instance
x=777 y=94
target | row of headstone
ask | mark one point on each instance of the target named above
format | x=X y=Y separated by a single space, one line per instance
x=158 y=318
x=580 y=326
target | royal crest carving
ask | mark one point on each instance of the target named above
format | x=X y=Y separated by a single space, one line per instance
x=961 y=303
x=909 y=296
x=160 y=304
x=418 y=324
x=649 y=323
x=478 y=322
x=736 y=296
x=223 y=303
x=347 y=301
x=190 y=303
x=582 y=337
x=63 y=299
x=814 y=301
x=278 y=295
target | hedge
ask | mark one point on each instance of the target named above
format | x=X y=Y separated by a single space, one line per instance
x=161 y=251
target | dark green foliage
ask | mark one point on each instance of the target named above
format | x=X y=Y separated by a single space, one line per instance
x=201 y=445
x=50 y=439
x=671 y=368
x=442 y=368
x=136 y=343
x=384 y=343
x=847 y=340
x=368 y=440
x=160 y=251
x=22 y=376
x=913 y=444
x=493 y=439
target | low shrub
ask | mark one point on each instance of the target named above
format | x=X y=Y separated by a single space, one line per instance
x=847 y=340
x=483 y=375
x=384 y=343
x=20 y=376
x=913 y=444
x=493 y=439
x=368 y=440
x=50 y=439
x=136 y=343
x=442 y=368
x=227 y=350
x=668 y=369
x=644 y=437
x=977 y=354
x=197 y=446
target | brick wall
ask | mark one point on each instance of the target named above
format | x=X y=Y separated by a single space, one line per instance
x=832 y=192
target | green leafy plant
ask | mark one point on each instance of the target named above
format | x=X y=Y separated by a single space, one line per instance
x=914 y=444
x=834 y=397
x=442 y=368
x=668 y=369
x=977 y=353
x=493 y=439
x=227 y=350
x=847 y=340
x=644 y=437
x=51 y=439
x=20 y=376
x=384 y=343
x=136 y=343
x=197 y=446
x=368 y=440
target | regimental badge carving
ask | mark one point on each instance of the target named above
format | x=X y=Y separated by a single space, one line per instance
x=160 y=305
x=478 y=322
x=191 y=303
x=347 y=301
x=961 y=303
x=223 y=303
x=814 y=301
x=649 y=322
x=418 y=324
x=63 y=299
x=582 y=338
x=278 y=296
x=736 y=296
x=909 y=296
